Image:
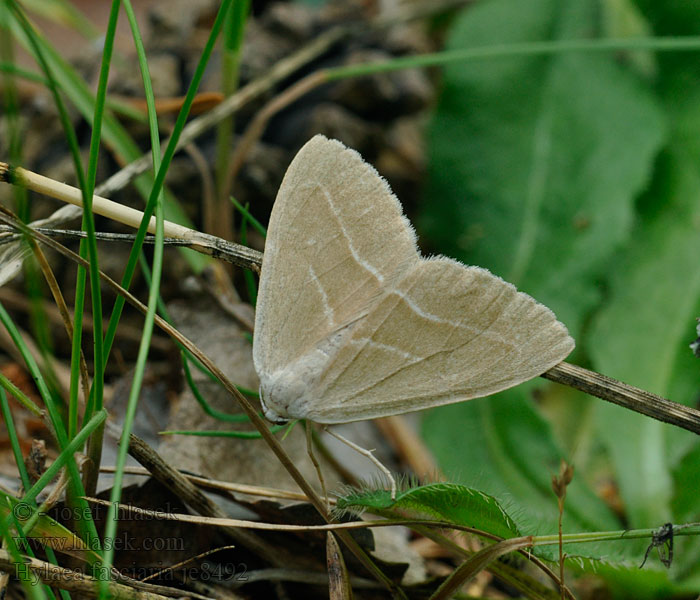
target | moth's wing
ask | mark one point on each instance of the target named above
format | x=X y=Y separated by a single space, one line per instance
x=444 y=334
x=336 y=235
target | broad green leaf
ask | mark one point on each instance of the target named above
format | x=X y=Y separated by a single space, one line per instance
x=535 y=164
x=642 y=334
x=678 y=87
x=501 y=446
x=639 y=335
x=631 y=582
x=686 y=484
x=535 y=161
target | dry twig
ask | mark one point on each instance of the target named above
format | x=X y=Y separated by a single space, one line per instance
x=590 y=382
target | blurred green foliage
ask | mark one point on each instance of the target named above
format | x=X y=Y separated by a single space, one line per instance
x=576 y=176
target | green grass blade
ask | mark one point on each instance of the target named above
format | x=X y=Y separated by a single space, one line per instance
x=244 y=435
x=21 y=467
x=88 y=249
x=257 y=225
x=30 y=582
x=20 y=396
x=187 y=359
x=114 y=134
x=247 y=274
x=160 y=177
x=10 y=68
x=157 y=197
x=14 y=440
x=231 y=42
x=75 y=483
x=495 y=51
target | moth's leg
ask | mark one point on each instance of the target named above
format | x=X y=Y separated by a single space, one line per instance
x=368 y=454
x=310 y=449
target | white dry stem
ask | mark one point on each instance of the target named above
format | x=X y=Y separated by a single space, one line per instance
x=101 y=206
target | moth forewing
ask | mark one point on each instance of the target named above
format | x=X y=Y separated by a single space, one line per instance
x=353 y=324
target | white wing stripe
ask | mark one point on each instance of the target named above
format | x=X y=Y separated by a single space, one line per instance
x=364 y=264
x=369 y=342
x=478 y=330
x=327 y=308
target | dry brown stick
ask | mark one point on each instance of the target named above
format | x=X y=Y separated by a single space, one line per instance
x=65 y=317
x=193 y=497
x=217 y=485
x=187 y=561
x=72 y=581
x=208 y=193
x=238 y=255
x=627 y=396
x=202 y=242
x=428 y=527
x=590 y=382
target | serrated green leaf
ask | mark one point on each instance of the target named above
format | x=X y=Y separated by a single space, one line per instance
x=440 y=501
x=468 y=507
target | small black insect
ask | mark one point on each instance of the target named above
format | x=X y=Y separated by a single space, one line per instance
x=662 y=540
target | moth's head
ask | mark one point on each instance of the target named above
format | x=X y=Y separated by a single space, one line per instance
x=280 y=394
x=270 y=414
